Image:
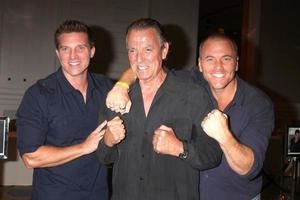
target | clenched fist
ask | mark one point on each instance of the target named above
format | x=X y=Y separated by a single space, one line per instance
x=115 y=132
x=118 y=100
x=215 y=125
x=165 y=141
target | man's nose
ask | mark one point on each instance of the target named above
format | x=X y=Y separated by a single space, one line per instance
x=73 y=53
x=139 y=57
x=218 y=63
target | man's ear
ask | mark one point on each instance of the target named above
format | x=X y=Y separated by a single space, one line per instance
x=165 y=50
x=57 y=54
x=199 y=64
x=237 y=64
x=93 y=50
x=56 y=51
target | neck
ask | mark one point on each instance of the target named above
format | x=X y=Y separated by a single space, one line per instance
x=149 y=89
x=225 y=96
x=80 y=83
x=153 y=84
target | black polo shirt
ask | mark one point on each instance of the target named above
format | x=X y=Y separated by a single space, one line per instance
x=141 y=174
x=53 y=113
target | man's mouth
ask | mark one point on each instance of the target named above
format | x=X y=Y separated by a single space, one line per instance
x=218 y=75
x=142 y=67
x=74 y=63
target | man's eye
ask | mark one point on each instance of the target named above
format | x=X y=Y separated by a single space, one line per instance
x=227 y=59
x=64 y=49
x=81 y=47
x=131 y=50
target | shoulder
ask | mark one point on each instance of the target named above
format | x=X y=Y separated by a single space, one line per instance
x=43 y=86
x=193 y=74
x=190 y=91
x=102 y=82
x=37 y=96
x=254 y=94
x=255 y=101
x=101 y=79
x=193 y=98
x=182 y=74
x=184 y=81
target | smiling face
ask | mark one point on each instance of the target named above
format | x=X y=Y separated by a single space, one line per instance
x=74 y=54
x=218 y=62
x=146 y=53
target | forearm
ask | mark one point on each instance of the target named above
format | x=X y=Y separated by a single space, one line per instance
x=205 y=154
x=239 y=157
x=50 y=156
x=128 y=76
x=203 y=151
x=106 y=154
x=118 y=98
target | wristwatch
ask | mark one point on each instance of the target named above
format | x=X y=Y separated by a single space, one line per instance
x=185 y=152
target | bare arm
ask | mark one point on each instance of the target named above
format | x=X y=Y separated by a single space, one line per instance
x=118 y=99
x=239 y=156
x=128 y=76
x=50 y=156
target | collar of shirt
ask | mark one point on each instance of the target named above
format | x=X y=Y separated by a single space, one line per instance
x=67 y=87
x=168 y=85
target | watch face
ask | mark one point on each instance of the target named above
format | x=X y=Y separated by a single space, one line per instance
x=183 y=155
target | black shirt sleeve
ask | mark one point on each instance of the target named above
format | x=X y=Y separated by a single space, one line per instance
x=203 y=151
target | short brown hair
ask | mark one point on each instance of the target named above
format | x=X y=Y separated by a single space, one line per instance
x=70 y=26
x=219 y=35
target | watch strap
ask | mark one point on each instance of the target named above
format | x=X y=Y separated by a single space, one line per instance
x=185 y=152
